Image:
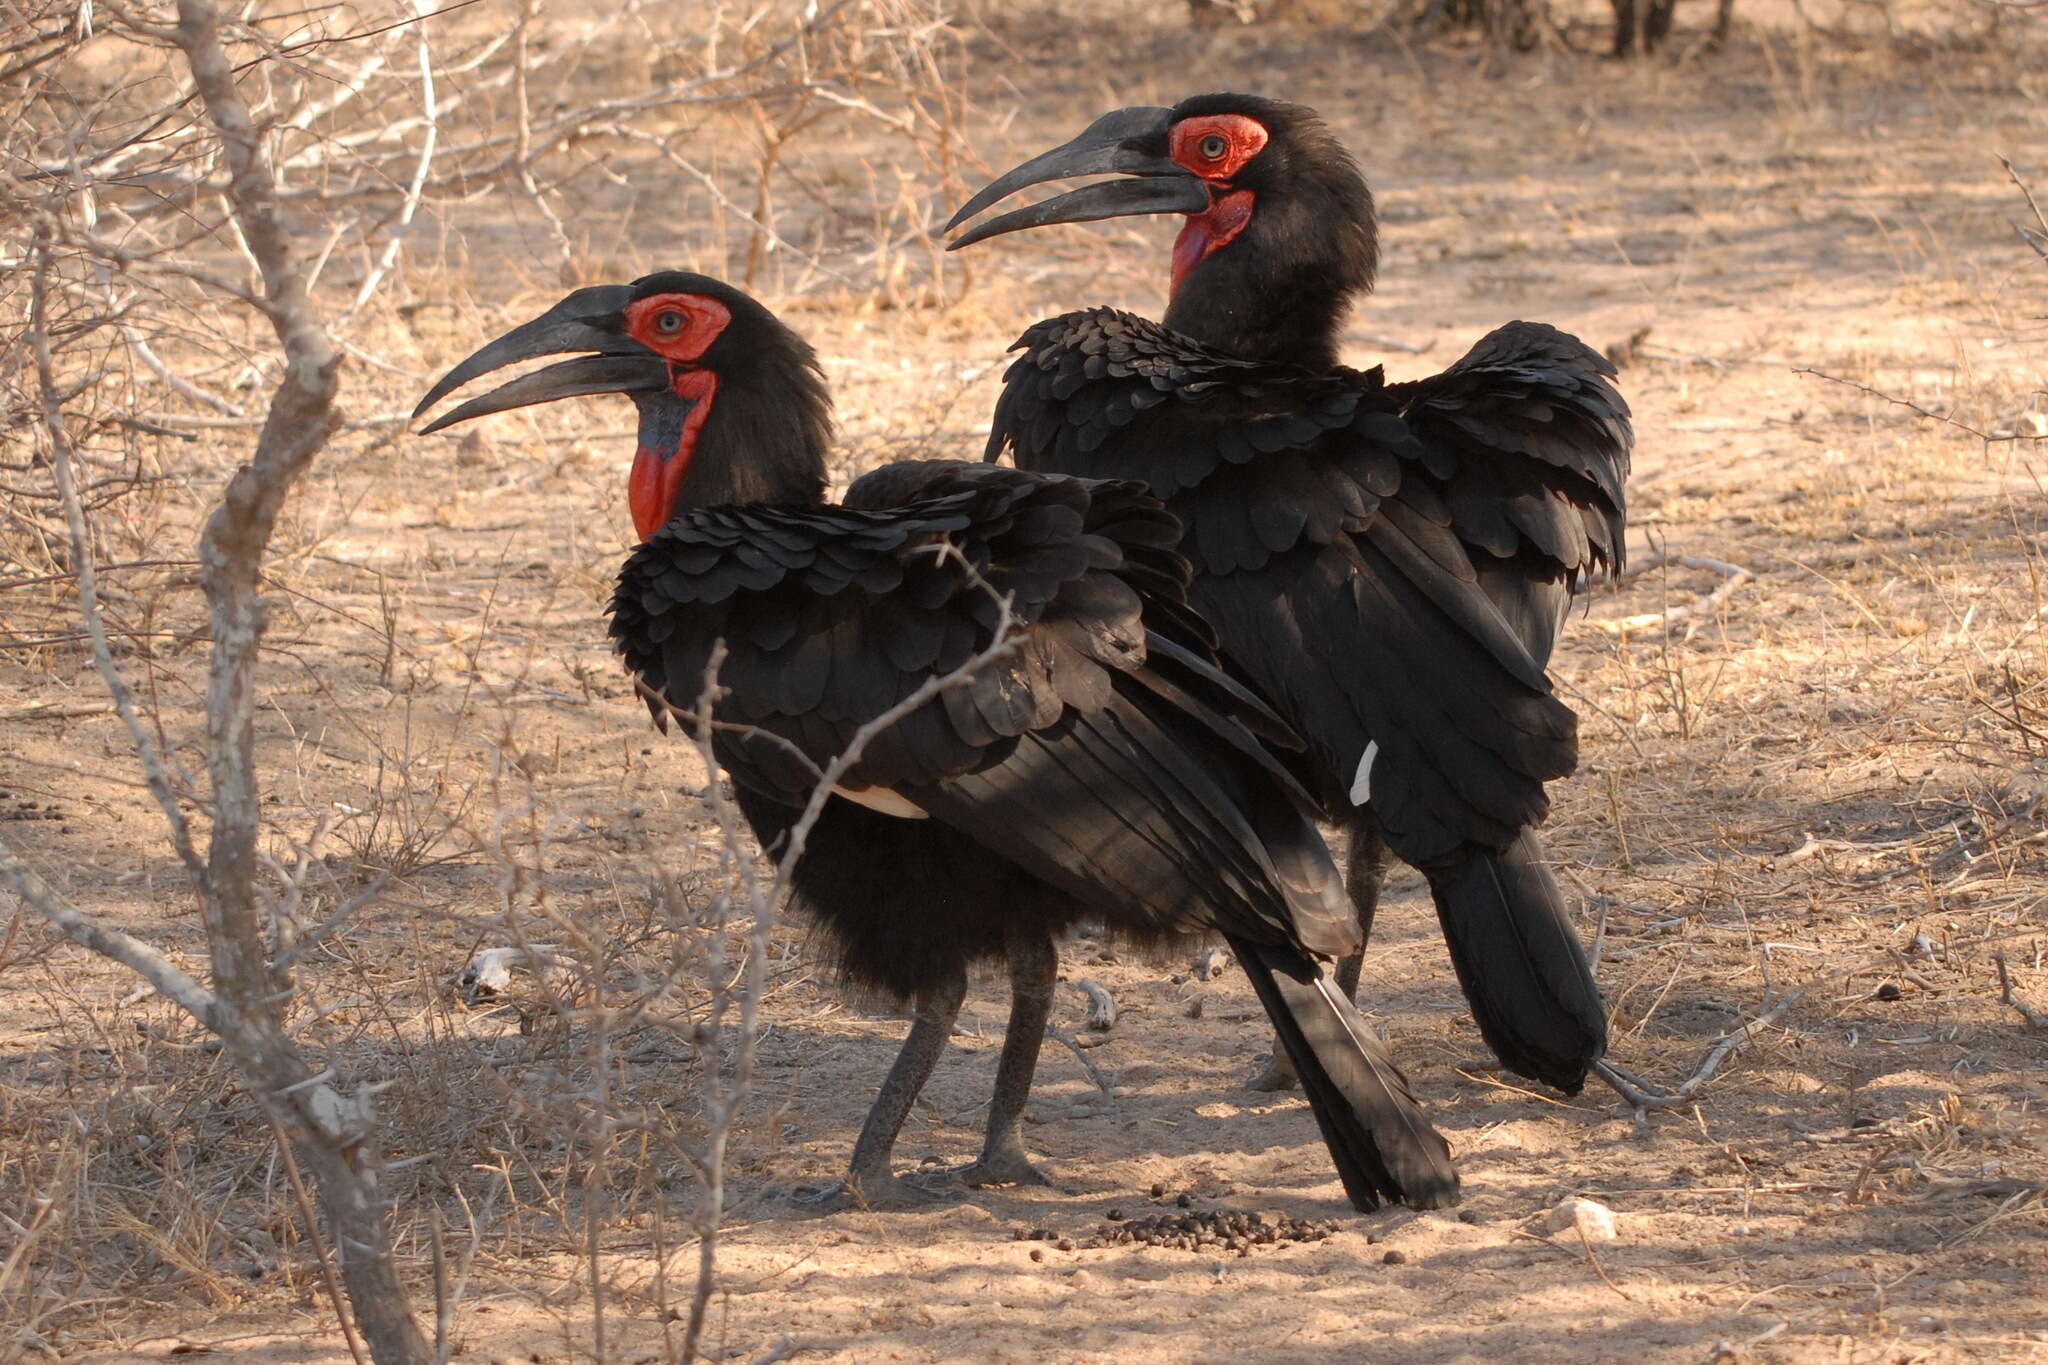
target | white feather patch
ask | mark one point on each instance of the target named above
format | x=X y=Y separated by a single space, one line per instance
x=885 y=801
x=1361 y=785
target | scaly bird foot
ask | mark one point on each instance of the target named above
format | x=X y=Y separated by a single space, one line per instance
x=1278 y=1075
x=998 y=1168
x=883 y=1193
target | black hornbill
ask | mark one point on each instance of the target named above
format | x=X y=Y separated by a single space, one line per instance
x=1101 y=767
x=1390 y=563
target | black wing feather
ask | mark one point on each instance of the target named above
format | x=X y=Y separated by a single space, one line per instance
x=831 y=616
x=1293 y=485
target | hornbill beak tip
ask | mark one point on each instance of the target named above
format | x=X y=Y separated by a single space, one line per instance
x=1120 y=142
x=1178 y=193
x=584 y=321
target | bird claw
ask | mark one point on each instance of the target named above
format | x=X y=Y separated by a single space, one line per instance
x=1278 y=1075
x=1001 y=1168
x=1638 y=1093
x=886 y=1193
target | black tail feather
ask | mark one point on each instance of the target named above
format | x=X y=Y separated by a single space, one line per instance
x=1521 y=963
x=1384 y=1148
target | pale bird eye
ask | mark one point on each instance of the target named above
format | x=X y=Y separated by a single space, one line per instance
x=1213 y=146
x=668 y=323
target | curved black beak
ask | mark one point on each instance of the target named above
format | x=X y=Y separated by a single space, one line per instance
x=588 y=320
x=1124 y=141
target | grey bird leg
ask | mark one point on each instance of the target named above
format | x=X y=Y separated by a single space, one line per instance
x=1363 y=872
x=870 y=1183
x=1034 y=967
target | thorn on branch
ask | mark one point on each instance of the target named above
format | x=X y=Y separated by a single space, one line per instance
x=1988 y=437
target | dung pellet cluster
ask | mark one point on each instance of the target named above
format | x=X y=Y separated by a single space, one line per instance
x=1217 y=1232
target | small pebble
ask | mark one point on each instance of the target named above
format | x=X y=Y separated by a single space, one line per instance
x=1158 y=1190
x=1395 y=1258
x=1473 y=1216
x=1064 y=1245
x=1593 y=1221
x=1889 y=991
x=1184 y=1202
x=1115 y=1215
x=1037 y=1253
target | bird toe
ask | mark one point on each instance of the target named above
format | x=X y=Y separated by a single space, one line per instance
x=1000 y=1168
x=1279 y=1074
x=884 y=1193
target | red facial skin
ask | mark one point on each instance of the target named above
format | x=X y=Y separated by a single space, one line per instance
x=1215 y=147
x=679 y=328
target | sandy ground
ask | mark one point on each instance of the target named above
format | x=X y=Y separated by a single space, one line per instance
x=1824 y=790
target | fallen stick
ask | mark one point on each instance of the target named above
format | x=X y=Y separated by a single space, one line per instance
x=1101 y=1005
x=1087 y=1062
x=54 y=711
x=2007 y=996
x=1641 y=1099
x=1736 y=576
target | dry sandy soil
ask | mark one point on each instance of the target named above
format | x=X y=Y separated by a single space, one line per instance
x=1817 y=797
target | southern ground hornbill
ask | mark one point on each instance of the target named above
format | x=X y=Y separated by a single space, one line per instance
x=1391 y=563
x=1101 y=768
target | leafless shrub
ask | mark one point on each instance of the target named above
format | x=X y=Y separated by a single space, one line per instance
x=222 y=230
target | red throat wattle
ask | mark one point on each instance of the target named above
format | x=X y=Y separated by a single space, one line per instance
x=658 y=476
x=1205 y=233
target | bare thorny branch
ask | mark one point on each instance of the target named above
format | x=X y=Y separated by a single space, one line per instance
x=724 y=1100
x=2036 y=238
x=245 y=1005
x=2037 y=235
x=162 y=203
x=1946 y=419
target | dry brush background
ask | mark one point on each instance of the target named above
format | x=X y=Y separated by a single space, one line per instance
x=1809 y=820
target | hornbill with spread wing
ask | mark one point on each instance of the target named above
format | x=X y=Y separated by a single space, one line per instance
x=1096 y=764
x=1390 y=563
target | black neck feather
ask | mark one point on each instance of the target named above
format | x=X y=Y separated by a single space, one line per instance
x=1283 y=289
x=767 y=434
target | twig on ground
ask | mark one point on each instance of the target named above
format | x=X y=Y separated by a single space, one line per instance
x=1073 y=1044
x=1735 y=577
x=2008 y=996
x=1101 y=1005
x=1598 y=1269
x=50 y=710
x=1632 y=1090
x=1988 y=437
